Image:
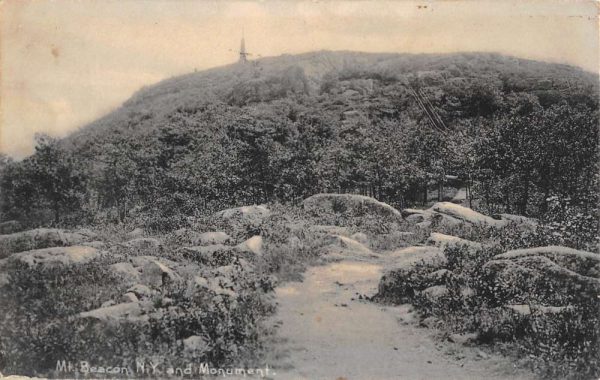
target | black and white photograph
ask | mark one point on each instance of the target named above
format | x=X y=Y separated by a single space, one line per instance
x=300 y=190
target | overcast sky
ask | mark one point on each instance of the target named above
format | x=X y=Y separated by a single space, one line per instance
x=65 y=63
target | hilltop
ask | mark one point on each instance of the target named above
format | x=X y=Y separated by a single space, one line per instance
x=272 y=78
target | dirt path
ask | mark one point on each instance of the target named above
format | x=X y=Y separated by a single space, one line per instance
x=327 y=332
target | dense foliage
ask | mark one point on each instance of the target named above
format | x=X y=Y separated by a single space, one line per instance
x=518 y=133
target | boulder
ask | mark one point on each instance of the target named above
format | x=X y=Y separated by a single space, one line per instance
x=355 y=204
x=434 y=298
x=130 y=311
x=140 y=261
x=465 y=214
x=546 y=275
x=144 y=244
x=126 y=271
x=195 y=346
x=443 y=241
x=129 y=297
x=431 y=257
x=582 y=262
x=211 y=238
x=9 y=227
x=135 y=234
x=360 y=237
x=40 y=238
x=245 y=213
x=95 y=244
x=141 y=291
x=157 y=274
x=345 y=246
x=518 y=219
x=57 y=256
x=414 y=270
x=254 y=245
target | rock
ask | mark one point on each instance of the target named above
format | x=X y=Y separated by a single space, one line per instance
x=582 y=262
x=39 y=238
x=465 y=214
x=9 y=227
x=95 y=244
x=416 y=218
x=407 y=212
x=108 y=303
x=253 y=245
x=443 y=241
x=544 y=275
x=463 y=339
x=157 y=274
x=356 y=204
x=129 y=297
x=222 y=286
x=131 y=311
x=245 y=213
x=57 y=256
x=135 y=234
x=518 y=219
x=434 y=298
x=415 y=269
x=360 y=237
x=430 y=322
x=144 y=244
x=195 y=346
x=140 y=261
x=126 y=271
x=141 y=291
x=432 y=257
x=195 y=284
x=345 y=246
x=482 y=354
x=211 y=238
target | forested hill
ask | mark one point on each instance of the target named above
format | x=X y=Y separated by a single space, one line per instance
x=283 y=128
x=274 y=78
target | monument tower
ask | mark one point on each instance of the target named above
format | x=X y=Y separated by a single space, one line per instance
x=243 y=53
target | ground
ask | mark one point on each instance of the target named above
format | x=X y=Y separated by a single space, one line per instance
x=328 y=331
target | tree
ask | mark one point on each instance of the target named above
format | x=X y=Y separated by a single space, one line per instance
x=59 y=181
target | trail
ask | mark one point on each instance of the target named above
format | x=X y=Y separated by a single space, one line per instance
x=328 y=332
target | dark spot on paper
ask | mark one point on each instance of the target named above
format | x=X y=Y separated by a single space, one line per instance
x=55 y=51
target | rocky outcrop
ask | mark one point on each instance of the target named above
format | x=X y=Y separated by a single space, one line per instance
x=126 y=311
x=144 y=244
x=245 y=213
x=582 y=262
x=211 y=238
x=57 y=256
x=555 y=276
x=415 y=269
x=450 y=215
x=443 y=241
x=355 y=204
x=156 y=274
x=135 y=234
x=465 y=214
x=254 y=246
x=42 y=238
x=337 y=245
x=126 y=272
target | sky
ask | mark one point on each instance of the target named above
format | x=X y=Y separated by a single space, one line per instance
x=64 y=63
